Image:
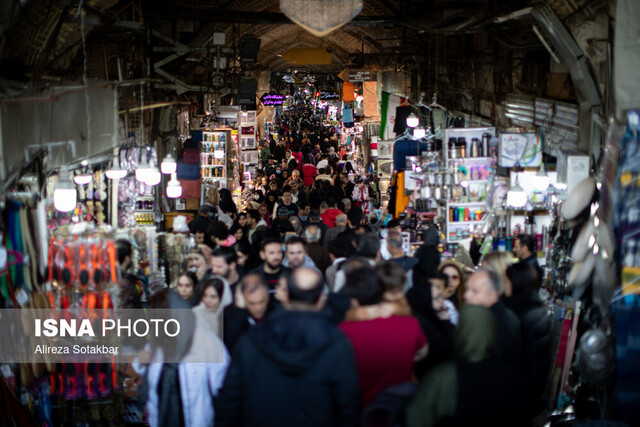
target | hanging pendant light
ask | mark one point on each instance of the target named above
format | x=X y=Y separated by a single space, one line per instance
x=85 y=176
x=541 y=180
x=168 y=165
x=320 y=17
x=116 y=172
x=419 y=132
x=65 y=195
x=516 y=196
x=144 y=169
x=174 y=188
x=153 y=176
x=413 y=120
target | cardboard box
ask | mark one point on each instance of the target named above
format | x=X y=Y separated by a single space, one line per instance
x=192 y=204
x=573 y=167
x=558 y=86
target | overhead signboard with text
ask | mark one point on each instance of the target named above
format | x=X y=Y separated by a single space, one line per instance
x=329 y=95
x=358 y=75
x=271 y=99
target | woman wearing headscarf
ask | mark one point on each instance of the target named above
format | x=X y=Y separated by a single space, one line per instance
x=473 y=389
x=186 y=371
x=428 y=252
x=226 y=202
x=213 y=291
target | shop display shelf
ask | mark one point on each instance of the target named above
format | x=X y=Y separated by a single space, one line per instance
x=459 y=223
x=465 y=159
x=536 y=209
x=463 y=204
x=212 y=166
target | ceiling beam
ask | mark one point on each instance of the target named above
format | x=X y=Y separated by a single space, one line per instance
x=169 y=11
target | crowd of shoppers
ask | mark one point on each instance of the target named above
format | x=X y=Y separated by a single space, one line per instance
x=325 y=324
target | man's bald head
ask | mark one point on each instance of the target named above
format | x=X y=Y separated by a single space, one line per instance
x=304 y=286
x=313 y=233
x=341 y=220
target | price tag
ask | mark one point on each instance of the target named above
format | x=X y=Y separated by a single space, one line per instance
x=6 y=371
x=3 y=258
x=22 y=297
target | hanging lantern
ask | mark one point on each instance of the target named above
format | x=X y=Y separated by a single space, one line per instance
x=320 y=17
x=64 y=193
x=115 y=171
x=174 y=188
x=168 y=165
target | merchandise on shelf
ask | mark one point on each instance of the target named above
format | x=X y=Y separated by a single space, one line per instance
x=214 y=156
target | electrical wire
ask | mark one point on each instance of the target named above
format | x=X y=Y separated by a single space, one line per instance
x=84 y=71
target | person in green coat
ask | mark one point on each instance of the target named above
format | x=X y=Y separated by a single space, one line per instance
x=264 y=153
x=475 y=389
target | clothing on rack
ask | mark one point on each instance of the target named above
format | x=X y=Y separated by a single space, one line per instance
x=400 y=125
x=406 y=147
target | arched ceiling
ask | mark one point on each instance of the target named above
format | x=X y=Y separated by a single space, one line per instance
x=43 y=38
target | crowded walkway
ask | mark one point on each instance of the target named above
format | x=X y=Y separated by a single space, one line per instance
x=327 y=320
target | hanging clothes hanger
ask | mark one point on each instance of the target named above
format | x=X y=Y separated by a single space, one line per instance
x=406 y=134
x=434 y=103
x=421 y=104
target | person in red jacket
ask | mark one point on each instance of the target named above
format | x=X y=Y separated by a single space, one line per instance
x=385 y=347
x=309 y=172
x=330 y=214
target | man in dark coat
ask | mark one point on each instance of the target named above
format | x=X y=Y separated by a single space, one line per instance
x=280 y=151
x=294 y=369
x=255 y=307
x=318 y=253
x=483 y=289
x=202 y=220
x=535 y=321
x=524 y=248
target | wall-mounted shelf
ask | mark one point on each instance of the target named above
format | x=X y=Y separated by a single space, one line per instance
x=455 y=205
x=476 y=168
x=463 y=223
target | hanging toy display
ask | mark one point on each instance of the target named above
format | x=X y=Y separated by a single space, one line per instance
x=363 y=195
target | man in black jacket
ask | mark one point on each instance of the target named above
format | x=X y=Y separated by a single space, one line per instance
x=250 y=309
x=271 y=268
x=524 y=248
x=280 y=151
x=202 y=220
x=295 y=369
x=522 y=297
